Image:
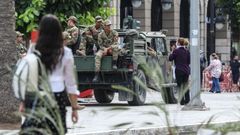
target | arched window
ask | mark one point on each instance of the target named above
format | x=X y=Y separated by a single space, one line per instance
x=156 y=15
x=184 y=18
x=125 y=10
x=210 y=29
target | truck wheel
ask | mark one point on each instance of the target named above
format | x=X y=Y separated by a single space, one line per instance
x=140 y=92
x=169 y=96
x=103 y=96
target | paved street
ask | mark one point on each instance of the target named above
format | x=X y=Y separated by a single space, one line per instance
x=104 y=119
x=100 y=119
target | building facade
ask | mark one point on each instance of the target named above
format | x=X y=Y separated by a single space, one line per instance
x=176 y=21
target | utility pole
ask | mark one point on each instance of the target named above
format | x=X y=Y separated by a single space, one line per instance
x=196 y=102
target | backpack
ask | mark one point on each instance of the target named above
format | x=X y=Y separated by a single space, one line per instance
x=30 y=76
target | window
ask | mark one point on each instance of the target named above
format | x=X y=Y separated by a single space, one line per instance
x=156 y=15
x=121 y=42
x=160 y=45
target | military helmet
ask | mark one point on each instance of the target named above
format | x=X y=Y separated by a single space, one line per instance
x=19 y=34
x=98 y=19
x=73 y=18
x=107 y=22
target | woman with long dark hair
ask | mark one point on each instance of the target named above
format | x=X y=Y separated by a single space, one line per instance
x=58 y=62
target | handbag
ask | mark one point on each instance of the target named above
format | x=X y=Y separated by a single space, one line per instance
x=221 y=78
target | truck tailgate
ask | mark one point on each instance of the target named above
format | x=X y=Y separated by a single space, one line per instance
x=87 y=63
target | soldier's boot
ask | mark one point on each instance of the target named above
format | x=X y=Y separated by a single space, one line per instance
x=96 y=77
x=114 y=65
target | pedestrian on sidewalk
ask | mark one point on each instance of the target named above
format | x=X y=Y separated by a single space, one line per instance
x=57 y=61
x=202 y=64
x=234 y=64
x=215 y=69
x=173 y=46
x=181 y=58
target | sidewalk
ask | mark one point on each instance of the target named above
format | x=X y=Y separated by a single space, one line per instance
x=98 y=119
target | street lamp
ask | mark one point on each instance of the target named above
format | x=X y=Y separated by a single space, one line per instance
x=216 y=20
x=167 y=4
x=219 y=22
x=136 y=3
x=228 y=8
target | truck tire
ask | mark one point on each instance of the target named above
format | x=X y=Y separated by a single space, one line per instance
x=103 y=96
x=140 y=92
x=169 y=96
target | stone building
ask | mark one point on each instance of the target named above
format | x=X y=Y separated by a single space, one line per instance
x=8 y=103
x=176 y=20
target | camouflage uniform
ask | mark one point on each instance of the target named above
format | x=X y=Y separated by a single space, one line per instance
x=92 y=29
x=105 y=41
x=21 y=49
x=89 y=39
x=66 y=37
x=86 y=45
x=73 y=32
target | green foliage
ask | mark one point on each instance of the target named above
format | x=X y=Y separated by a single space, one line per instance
x=28 y=13
x=232 y=8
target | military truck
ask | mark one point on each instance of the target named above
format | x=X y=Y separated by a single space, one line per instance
x=130 y=65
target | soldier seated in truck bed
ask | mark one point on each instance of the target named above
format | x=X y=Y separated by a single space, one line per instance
x=108 y=43
x=89 y=41
x=86 y=45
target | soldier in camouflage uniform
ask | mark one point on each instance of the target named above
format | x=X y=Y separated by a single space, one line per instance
x=21 y=49
x=97 y=28
x=73 y=32
x=89 y=40
x=66 y=37
x=108 y=43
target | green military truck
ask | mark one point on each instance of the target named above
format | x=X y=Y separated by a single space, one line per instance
x=130 y=65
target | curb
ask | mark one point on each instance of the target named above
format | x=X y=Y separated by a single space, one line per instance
x=187 y=129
